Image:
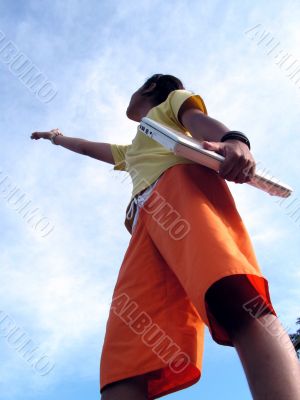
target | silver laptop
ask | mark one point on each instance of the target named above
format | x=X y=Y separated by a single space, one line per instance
x=190 y=148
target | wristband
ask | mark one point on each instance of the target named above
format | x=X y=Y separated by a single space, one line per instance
x=53 y=136
x=238 y=136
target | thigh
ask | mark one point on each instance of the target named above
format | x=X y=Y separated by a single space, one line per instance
x=231 y=301
x=192 y=219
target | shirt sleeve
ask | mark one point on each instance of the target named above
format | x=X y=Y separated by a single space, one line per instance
x=178 y=97
x=118 y=153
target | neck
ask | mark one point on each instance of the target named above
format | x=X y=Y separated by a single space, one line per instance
x=144 y=109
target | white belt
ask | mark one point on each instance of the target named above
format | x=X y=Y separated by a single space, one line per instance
x=139 y=201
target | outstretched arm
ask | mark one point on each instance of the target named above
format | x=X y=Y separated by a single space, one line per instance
x=100 y=151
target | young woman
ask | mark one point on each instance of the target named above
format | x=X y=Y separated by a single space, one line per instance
x=189 y=263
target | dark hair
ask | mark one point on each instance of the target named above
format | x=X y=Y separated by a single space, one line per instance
x=165 y=84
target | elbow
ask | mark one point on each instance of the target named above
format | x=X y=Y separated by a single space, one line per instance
x=195 y=122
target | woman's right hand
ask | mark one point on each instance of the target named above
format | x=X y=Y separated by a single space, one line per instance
x=43 y=135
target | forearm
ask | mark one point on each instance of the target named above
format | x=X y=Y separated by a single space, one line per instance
x=238 y=164
x=213 y=130
x=71 y=143
x=210 y=129
x=98 y=150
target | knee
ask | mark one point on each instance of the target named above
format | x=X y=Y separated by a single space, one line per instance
x=127 y=389
x=226 y=299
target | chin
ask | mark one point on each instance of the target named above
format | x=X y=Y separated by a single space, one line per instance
x=131 y=116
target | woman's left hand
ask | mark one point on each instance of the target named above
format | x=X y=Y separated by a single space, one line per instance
x=239 y=165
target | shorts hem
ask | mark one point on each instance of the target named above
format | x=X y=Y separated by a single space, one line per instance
x=126 y=375
x=156 y=394
x=218 y=333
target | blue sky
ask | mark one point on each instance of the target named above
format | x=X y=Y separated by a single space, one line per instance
x=94 y=54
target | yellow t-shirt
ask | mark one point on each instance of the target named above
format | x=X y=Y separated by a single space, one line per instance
x=145 y=159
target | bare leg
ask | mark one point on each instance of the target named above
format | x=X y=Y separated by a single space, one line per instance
x=264 y=348
x=127 y=389
x=269 y=359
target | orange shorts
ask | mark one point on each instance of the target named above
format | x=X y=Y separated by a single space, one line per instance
x=188 y=236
